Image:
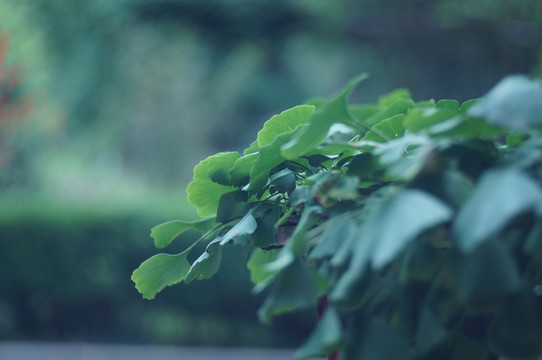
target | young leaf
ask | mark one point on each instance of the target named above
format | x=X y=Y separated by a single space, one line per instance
x=205 y=195
x=285 y=122
x=398 y=107
x=390 y=98
x=216 y=167
x=316 y=131
x=386 y=130
x=499 y=196
x=160 y=271
x=165 y=233
x=211 y=180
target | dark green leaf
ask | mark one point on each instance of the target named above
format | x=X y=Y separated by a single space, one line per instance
x=515 y=102
x=257 y=262
x=230 y=206
x=390 y=226
x=516 y=332
x=533 y=244
x=375 y=340
x=430 y=332
x=293 y=288
x=337 y=230
x=283 y=181
x=268 y=158
x=266 y=233
x=165 y=233
x=488 y=274
x=499 y=196
x=239 y=234
x=207 y=264
x=467 y=349
x=160 y=271
x=326 y=338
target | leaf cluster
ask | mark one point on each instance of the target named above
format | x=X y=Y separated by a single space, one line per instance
x=418 y=223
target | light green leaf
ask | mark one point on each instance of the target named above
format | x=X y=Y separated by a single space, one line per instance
x=165 y=233
x=316 y=131
x=448 y=105
x=211 y=180
x=325 y=339
x=386 y=130
x=515 y=102
x=417 y=120
x=240 y=171
x=160 y=271
x=216 y=167
x=398 y=107
x=390 y=98
x=499 y=196
x=205 y=195
x=207 y=264
x=361 y=113
x=285 y=122
x=253 y=148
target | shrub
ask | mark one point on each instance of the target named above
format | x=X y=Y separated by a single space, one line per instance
x=415 y=228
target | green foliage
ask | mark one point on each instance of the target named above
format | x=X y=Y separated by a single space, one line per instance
x=419 y=223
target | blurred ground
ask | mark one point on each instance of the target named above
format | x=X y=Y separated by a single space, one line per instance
x=82 y=351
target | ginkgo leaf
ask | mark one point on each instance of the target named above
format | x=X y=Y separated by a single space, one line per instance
x=165 y=233
x=160 y=271
x=499 y=196
x=315 y=133
x=285 y=122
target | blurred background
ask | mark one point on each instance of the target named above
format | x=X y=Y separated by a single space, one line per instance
x=107 y=105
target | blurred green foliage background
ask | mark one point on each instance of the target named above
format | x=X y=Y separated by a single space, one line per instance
x=107 y=105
